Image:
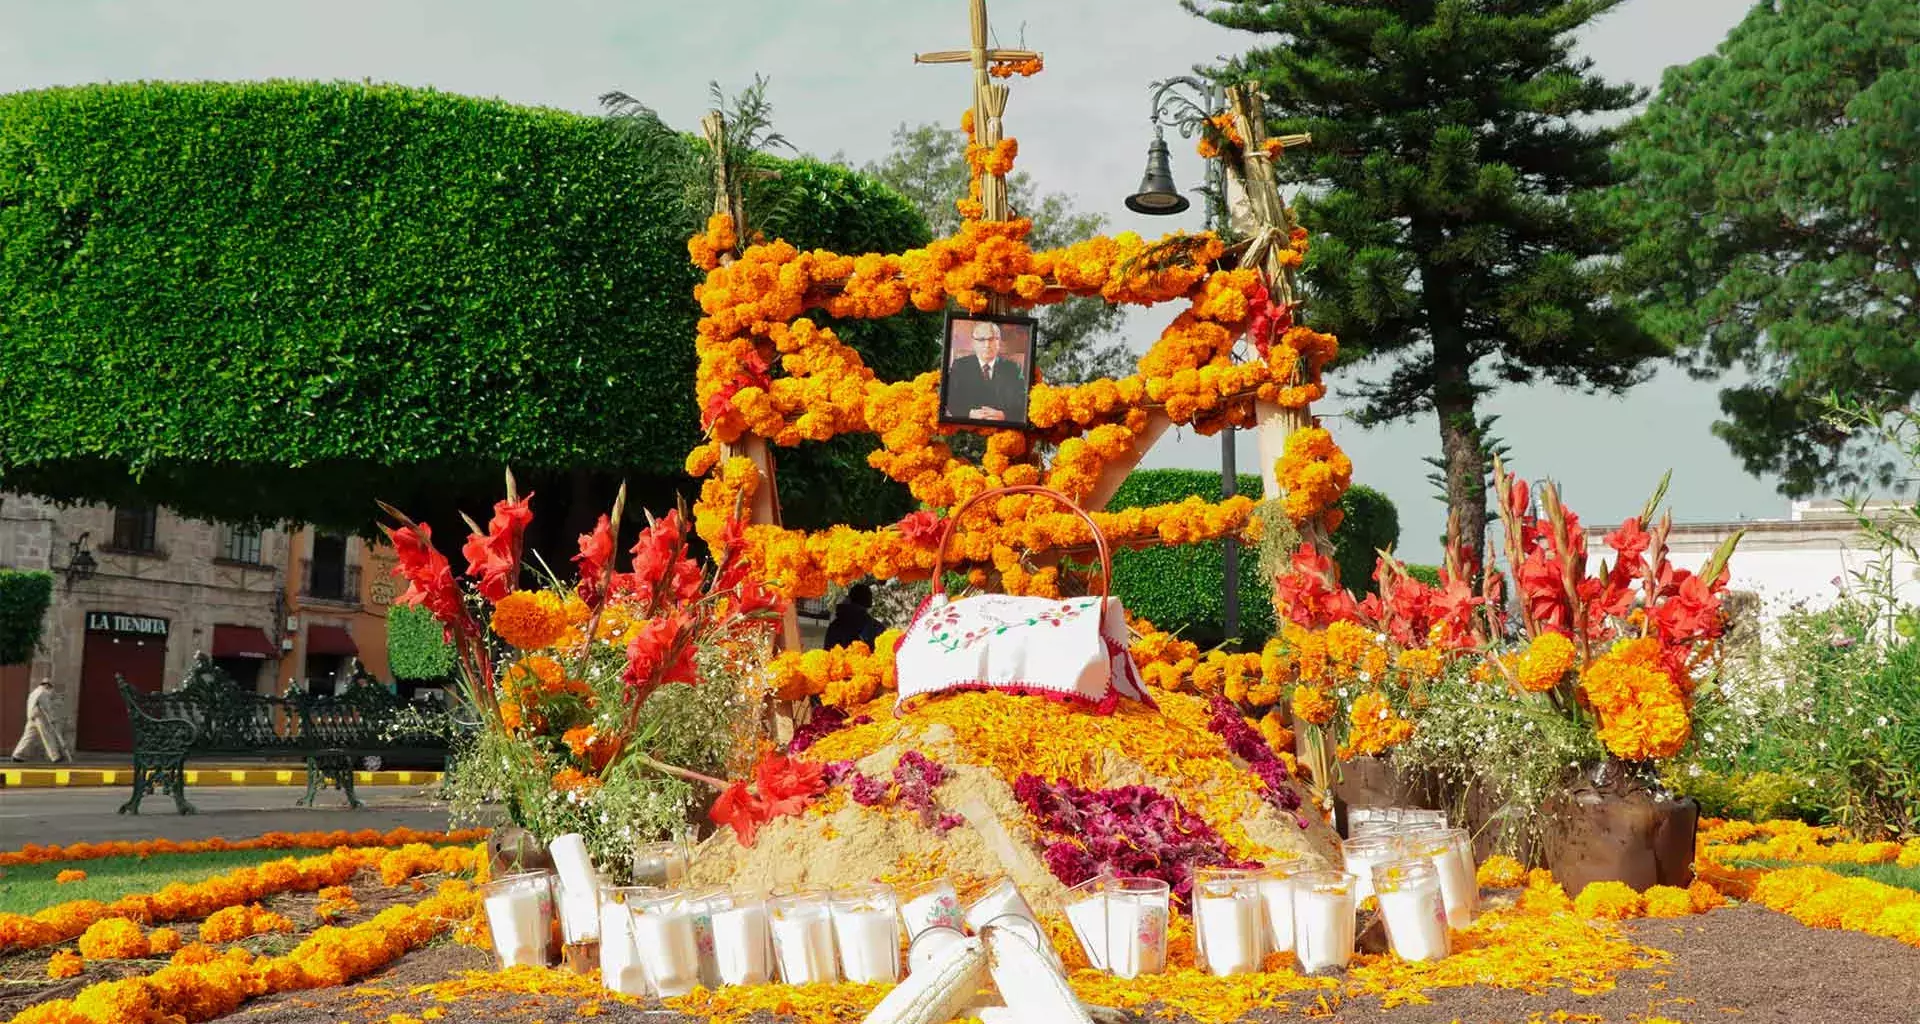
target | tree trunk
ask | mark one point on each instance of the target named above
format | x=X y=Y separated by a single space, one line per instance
x=1454 y=401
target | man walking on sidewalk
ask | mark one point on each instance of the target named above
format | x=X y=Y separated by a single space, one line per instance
x=40 y=726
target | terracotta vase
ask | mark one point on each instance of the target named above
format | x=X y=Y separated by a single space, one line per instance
x=1611 y=824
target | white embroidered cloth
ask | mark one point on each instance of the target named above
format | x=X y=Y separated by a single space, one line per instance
x=1073 y=650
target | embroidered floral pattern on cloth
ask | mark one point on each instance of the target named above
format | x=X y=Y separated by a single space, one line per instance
x=1074 y=650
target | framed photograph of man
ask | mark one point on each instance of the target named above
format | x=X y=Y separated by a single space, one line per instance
x=986 y=368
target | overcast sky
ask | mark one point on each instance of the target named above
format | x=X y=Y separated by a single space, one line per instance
x=843 y=78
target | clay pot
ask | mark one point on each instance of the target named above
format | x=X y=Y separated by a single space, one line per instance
x=512 y=849
x=1489 y=830
x=1375 y=782
x=1608 y=825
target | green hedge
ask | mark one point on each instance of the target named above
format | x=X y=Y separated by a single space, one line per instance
x=1184 y=588
x=285 y=299
x=417 y=647
x=24 y=597
x=1371 y=525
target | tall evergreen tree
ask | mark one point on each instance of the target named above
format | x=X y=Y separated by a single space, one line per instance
x=1776 y=186
x=1451 y=188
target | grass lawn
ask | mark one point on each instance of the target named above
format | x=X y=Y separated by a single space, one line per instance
x=1891 y=874
x=29 y=887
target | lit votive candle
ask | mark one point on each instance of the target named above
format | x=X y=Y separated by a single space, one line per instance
x=1227 y=921
x=1323 y=918
x=866 y=930
x=803 y=939
x=519 y=917
x=1409 y=895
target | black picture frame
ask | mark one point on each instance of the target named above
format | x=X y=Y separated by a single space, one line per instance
x=964 y=393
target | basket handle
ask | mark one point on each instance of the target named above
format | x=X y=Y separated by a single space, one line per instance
x=953 y=524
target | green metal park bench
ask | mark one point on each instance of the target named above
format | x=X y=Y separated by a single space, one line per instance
x=212 y=717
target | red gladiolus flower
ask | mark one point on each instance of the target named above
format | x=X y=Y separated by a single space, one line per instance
x=787 y=785
x=1268 y=322
x=1630 y=541
x=429 y=576
x=493 y=558
x=660 y=568
x=596 y=550
x=656 y=654
x=1309 y=595
x=741 y=809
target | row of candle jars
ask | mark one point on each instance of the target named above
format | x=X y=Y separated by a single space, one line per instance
x=655 y=941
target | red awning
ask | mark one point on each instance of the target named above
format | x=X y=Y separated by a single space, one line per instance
x=330 y=640
x=242 y=642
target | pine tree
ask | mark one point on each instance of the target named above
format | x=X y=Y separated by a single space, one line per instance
x=1776 y=188
x=1451 y=189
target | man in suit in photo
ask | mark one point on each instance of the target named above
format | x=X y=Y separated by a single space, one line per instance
x=984 y=386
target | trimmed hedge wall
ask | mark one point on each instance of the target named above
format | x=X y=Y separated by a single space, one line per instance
x=1371 y=525
x=24 y=597
x=1184 y=587
x=285 y=299
x=417 y=646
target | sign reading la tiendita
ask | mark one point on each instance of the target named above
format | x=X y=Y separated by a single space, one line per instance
x=121 y=622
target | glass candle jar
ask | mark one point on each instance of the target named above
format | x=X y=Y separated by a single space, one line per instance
x=742 y=942
x=1451 y=852
x=866 y=930
x=1122 y=923
x=620 y=967
x=802 y=927
x=1363 y=853
x=1275 y=885
x=662 y=865
x=1228 y=927
x=932 y=904
x=1410 y=904
x=663 y=932
x=1324 y=906
x=520 y=917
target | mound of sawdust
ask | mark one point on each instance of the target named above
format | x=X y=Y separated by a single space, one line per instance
x=986 y=741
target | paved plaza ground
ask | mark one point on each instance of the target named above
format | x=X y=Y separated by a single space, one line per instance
x=76 y=815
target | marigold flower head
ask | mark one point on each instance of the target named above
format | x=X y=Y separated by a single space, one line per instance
x=1545 y=662
x=1609 y=901
x=1501 y=872
x=115 y=938
x=531 y=620
x=65 y=965
x=70 y=875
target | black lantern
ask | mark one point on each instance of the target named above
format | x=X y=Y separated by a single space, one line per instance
x=80 y=561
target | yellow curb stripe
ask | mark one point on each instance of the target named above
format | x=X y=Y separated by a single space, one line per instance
x=70 y=778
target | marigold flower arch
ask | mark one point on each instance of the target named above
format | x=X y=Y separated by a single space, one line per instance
x=768 y=369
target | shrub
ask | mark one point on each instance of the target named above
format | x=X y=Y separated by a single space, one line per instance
x=24 y=597
x=417 y=646
x=1182 y=588
x=1371 y=525
x=289 y=299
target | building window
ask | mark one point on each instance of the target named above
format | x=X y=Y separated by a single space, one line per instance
x=134 y=528
x=327 y=575
x=243 y=545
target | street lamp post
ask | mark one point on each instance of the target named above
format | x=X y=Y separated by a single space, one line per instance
x=1159 y=197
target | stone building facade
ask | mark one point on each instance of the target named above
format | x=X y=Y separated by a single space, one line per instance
x=139 y=591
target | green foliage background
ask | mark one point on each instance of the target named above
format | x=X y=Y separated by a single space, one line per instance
x=24 y=597
x=417 y=647
x=1774 y=194
x=282 y=300
x=1183 y=588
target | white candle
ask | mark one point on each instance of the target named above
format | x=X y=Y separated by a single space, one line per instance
x=1089 y=920
x=1229 y=931
x=666 y=942
x=869 y=945
x=1410 y=903
x=518 y=920
x=579 y=915
x=740 y=945
x=1276 y=898
x=1136 y=934
x=803 y=942
x=620 y=968
x=1322 y=928
x=573 y=865
x=1459 y=889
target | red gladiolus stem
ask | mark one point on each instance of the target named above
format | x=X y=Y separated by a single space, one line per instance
x=679 y=773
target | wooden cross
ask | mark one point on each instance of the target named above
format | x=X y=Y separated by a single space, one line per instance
x=989 y=100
